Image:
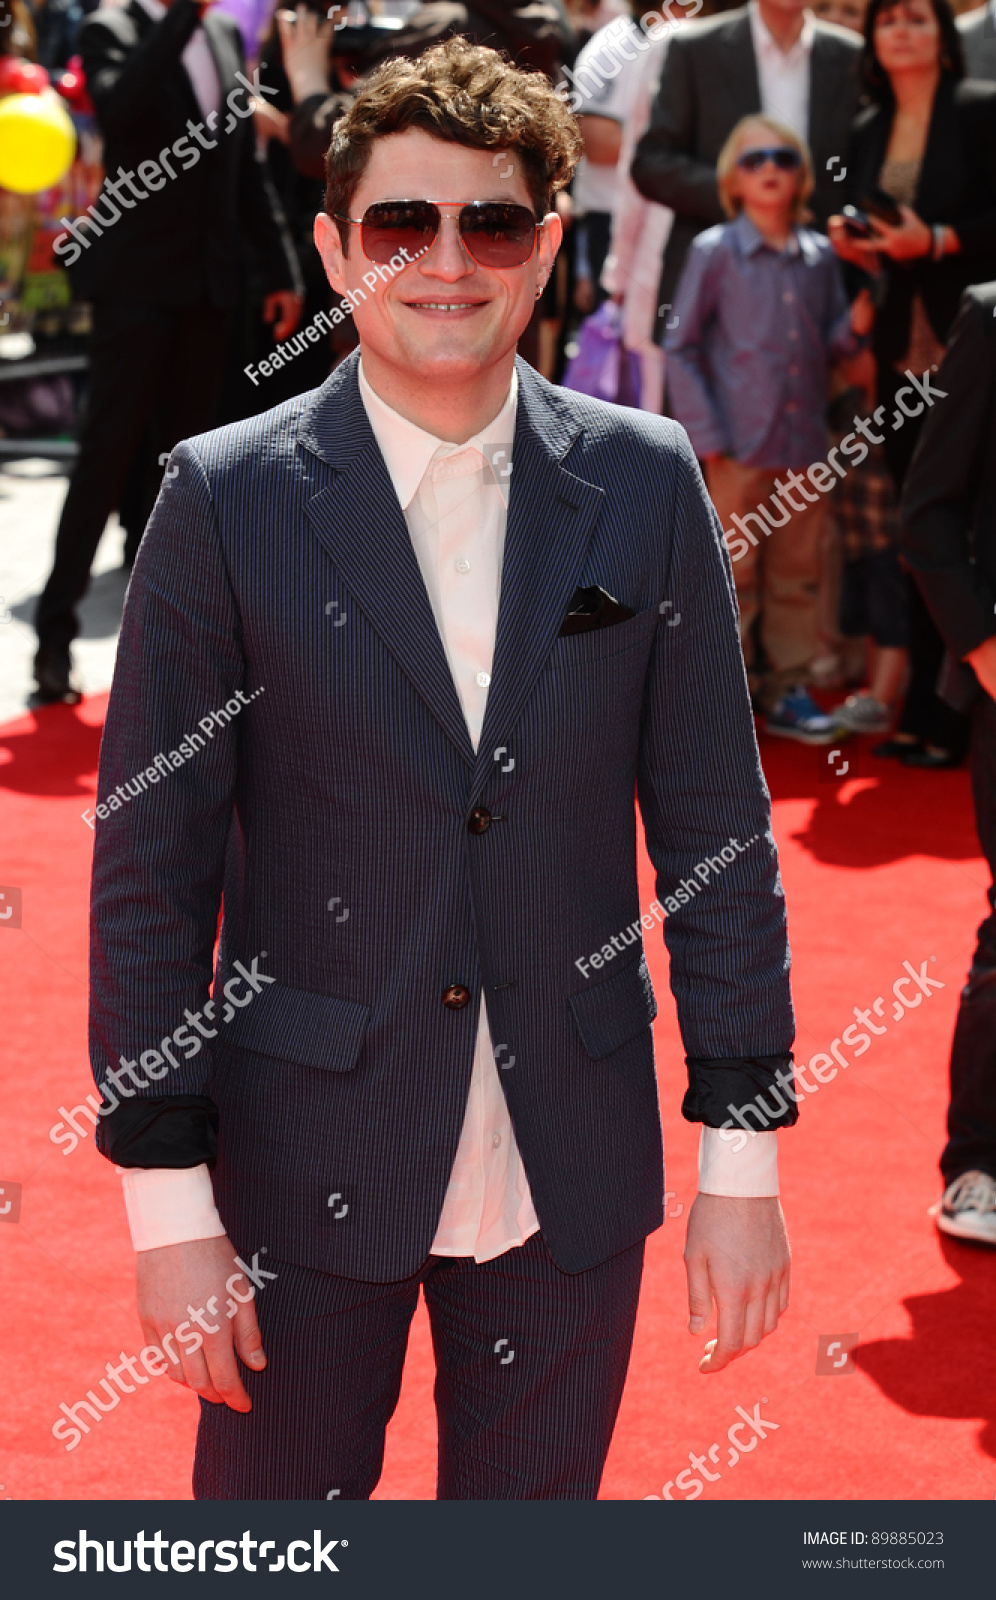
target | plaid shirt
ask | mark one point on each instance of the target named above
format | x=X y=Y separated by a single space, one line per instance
x=865 y=504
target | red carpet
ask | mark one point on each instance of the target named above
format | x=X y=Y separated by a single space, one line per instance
x=880 y=868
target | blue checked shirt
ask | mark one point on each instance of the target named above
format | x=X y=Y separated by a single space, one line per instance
x=756 y=329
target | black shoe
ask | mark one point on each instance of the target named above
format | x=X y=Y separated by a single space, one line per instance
x=896 y=749
x=53 y=668
x=931 y=760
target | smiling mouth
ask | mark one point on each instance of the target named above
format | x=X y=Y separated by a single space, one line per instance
x=444 y=305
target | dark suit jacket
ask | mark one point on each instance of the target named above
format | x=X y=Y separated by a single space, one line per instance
x=949 y=497
x=957 y=185
x=978 y=38
x=332 y=818
x=181 y=244
x=709 y=81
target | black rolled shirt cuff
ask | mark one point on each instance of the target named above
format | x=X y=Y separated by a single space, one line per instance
x=177 y=1130
x=740 y=1091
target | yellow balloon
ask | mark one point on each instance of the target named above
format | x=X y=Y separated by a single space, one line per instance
x=37 y=141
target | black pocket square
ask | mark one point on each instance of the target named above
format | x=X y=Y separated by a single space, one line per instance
x=593 y=608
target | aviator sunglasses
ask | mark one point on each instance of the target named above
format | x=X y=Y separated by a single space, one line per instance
x=783 y=155
x=495 y=233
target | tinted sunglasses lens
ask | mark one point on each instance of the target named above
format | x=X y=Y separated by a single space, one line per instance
x=497 y=234
x=393 y=226
x=784 y=157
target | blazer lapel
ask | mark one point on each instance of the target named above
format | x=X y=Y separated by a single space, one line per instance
x=177 y=75
x=361 y=525
x=736 y=61
x=225 y=59
x=551 y=517
x=939 y=170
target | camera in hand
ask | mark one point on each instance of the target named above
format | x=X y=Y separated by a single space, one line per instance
x=876 y=203
x=856 y=224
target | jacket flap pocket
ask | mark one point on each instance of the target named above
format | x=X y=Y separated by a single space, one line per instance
x=615 y=1010
x=316 y=1030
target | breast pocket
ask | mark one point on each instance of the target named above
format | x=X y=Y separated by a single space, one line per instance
x=577 y=649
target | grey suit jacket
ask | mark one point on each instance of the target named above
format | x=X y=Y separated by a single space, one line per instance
x=336 y=819
x=978 y=38
x=709 y=81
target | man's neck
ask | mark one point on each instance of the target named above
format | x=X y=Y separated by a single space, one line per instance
x=775 y=227
x=784 y=26
x=453 y=412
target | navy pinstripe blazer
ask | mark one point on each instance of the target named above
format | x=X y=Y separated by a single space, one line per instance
x=278 y=560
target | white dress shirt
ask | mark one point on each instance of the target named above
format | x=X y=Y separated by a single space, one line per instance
x=605 y=76
x=783 y=75
x=197 y=60
x=455 y=501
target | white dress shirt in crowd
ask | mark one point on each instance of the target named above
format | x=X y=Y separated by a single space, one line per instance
x=605 y=76
x=197 y=60
x=455 y=501
x=640 y=231
x=783 y=75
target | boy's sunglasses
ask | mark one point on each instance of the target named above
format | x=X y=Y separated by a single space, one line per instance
x=783 y=155
x=495 y=233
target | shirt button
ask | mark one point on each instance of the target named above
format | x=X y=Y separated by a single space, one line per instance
x=463 y=565
x=483 y=679
x=456 y=997
x=496 y=1140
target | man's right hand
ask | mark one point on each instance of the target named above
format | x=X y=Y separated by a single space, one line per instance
x=177 y=1279
x=305 y=42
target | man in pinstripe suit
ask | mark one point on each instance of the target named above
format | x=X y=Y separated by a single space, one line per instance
x=428 y=1062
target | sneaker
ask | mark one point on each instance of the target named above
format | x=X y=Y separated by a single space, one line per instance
x=968 y=1208
x=797 y=716
x=861 y=714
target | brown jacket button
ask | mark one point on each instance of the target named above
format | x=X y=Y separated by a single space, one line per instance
x=456 y=997
x=480 y=820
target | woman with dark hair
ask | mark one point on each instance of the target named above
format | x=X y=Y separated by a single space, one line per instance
x=927 y=142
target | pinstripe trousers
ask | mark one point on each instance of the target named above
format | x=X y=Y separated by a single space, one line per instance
x=530 y=1367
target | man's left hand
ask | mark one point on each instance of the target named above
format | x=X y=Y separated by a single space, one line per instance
x=736 y=1256
x=283 y=307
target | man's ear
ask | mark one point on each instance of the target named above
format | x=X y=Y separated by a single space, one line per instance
x=329 y=247
x=550 y=239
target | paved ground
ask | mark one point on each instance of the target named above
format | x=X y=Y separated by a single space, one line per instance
x=31 y=496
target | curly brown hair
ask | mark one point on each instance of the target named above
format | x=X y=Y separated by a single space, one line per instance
x=464 y=94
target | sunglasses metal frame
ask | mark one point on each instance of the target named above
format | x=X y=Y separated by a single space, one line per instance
x=464 y=205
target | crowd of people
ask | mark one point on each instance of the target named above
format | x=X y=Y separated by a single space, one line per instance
x=784 y=205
